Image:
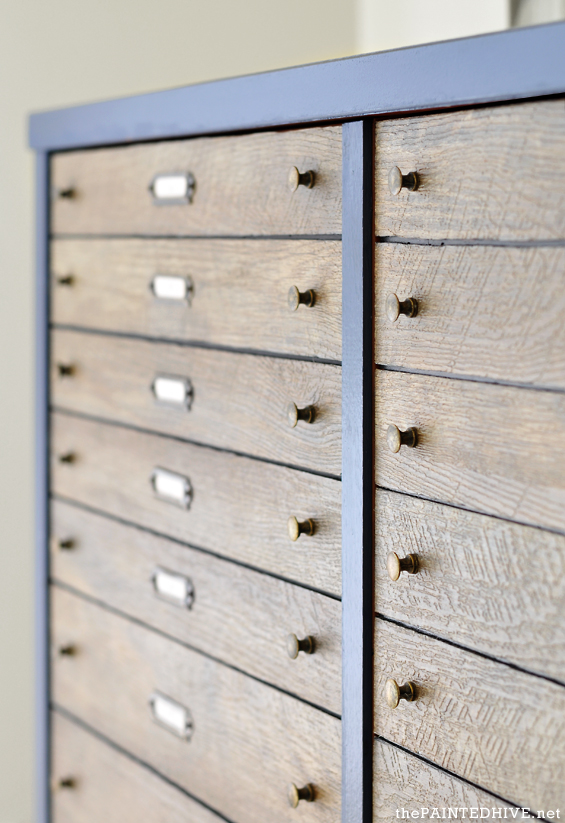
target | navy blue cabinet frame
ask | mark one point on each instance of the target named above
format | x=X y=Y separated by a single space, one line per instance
x=516 y=65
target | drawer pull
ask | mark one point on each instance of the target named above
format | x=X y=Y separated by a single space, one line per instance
x=294 y=645
x=175 y=588
x=174 y=391
x=67 y=651
x=67 y=544
x=173 y=188
x=395 y=565
x=171 y=715
x=295 y=795
x=67 y=457
x=296 y=298
x=398 y=181
x=66 y=280
x=65 y=369
x=395 y=693
x=395 y=438
x=172 y=487
x=396 y=307
x=294 y=414
x=296 y=178
x=172 y=287
x=65 y=783
x=66 y=194
x=296 y=528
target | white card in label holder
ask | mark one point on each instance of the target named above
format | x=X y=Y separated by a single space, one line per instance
x=171 y=715
x=173 y=391
x=172 y=587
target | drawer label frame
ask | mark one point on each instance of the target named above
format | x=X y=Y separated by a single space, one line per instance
x=173 y=587
x=171 y=715
x=172 y=287
x=171 y=487
x=172 y=188
x=173 y=391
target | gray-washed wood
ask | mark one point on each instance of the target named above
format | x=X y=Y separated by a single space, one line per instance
x=240 y=400
x=494 y=449
x=110 y=786
x=249 y=740
x=241 y=186
x=492 y=725
x=492 y=173
x=403 y=783
x=486 y=583
x=239 y=616
x=490 y=311
x=240 y=506
x=239 y=295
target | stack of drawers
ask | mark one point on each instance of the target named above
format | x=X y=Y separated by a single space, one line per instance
x=195 y=478
x=470 y=481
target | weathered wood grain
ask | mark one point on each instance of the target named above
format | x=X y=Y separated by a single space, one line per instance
x=497 y=727
x=240 y=400
x=405 y=783
x=249 y=741
x=239 y=615
x=241 y=186
x=495 y=449
x=485 y=583
x=239 y=295
x=490 y=311
x=110 y=786
x=488 y=173
x=240 y=506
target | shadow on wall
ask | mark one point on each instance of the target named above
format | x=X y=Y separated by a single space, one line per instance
x=531 y=12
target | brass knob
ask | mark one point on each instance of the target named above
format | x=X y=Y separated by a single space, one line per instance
x=66 y=280
x=395 y=438
x=65 y=545
x=66 y=194
x=296 y=178
x=67 y=651
x=294 y=645
x=395 y=693
x=65 y=369
x=398 y=181
x=66 y=783
x=296 y=298
x=396 y=307
x=295 y=795
x=294 y=414
x=67 y=457
x=395 y=565
x=295 y=528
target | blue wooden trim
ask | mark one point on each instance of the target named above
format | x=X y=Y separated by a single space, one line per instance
x=357 y=472
x=42 y=745
x=507 y=65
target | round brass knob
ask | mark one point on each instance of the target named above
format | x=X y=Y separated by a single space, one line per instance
x=295 y=414
x=395 y=565
x=295 y=795
x=67 y=651
x=294 y=645
x=65 y=369
x=67 y=280
x=296 y=298
x=295 y=528
x=67 y=457
x=395 y=693
x=396 y=307
x=66 y=194
x=398 y=181
x=296 y=178
x=395 y=438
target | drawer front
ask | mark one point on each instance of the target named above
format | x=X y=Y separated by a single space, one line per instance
x=402 y=782
x=239 y=509
x=491 y=724
x=489 y=584
x=234 y=614
x=234 y=401
x=495 y=449
x=493 y=173
x=240 y=186
x=485 y=311
x=257 y=739
x=110 y=786
x=236 y=291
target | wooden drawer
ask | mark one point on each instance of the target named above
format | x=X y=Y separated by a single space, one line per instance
x=495 y=449
x=402 y=782
x=236 y=401
x=488 y=311
x=491 y=724
x=248 y=743
x=240 y=507
x=496 y=173
x=110 y=786
x=489 y=584
x=235 y=614
x=238 y=296
x=241 y=186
